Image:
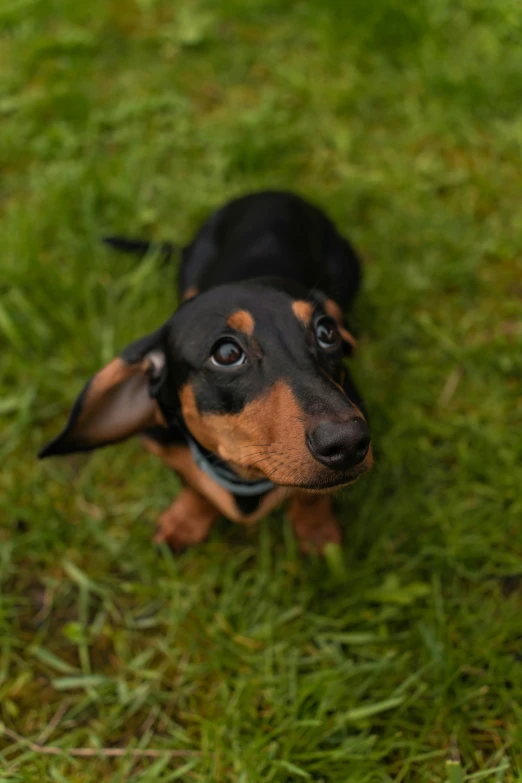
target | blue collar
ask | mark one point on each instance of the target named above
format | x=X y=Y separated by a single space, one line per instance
x=218 y=470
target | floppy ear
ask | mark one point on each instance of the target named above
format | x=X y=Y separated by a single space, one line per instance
x=117 y=402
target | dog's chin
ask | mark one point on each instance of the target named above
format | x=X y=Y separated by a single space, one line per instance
x=323 y=482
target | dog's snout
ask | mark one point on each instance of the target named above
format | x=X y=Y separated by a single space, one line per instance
x=340 y=445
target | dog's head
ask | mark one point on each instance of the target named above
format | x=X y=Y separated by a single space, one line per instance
x=256 y=372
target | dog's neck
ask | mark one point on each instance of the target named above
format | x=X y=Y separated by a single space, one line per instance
x=223 y=474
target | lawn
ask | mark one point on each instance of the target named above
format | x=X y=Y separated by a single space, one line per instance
x=400 y=659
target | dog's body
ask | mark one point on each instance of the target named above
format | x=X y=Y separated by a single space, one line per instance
x=243 y=391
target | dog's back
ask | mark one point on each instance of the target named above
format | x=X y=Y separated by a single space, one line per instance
x=271 y=234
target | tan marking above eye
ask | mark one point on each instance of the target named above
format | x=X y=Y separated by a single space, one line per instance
x=333 y=309
x=242 y=321
x=303 y=311
x=190 y=293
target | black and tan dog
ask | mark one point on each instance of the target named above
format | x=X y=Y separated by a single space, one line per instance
x=243 y=391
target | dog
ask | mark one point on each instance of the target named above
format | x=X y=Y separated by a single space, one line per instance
x=243 y=390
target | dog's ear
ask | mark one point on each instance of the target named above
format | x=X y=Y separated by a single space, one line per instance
x=117 y=402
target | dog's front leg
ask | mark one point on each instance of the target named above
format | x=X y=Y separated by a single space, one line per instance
x=314 y=522
x=187 y=521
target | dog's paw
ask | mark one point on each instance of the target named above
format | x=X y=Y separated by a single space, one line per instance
x=186 y=522
x=314 y=537
x=314 y=523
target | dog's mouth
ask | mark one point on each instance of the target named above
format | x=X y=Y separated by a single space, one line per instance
x=325 y=484
x=286 y=473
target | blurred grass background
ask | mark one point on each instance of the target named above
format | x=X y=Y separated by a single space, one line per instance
x=402 y=662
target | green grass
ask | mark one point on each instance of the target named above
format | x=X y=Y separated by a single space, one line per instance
x=401 y=661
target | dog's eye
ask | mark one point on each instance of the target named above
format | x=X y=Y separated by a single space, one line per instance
x=227 y=353
x=327 y=334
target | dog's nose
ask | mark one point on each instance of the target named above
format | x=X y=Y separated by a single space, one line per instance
x=340 y=445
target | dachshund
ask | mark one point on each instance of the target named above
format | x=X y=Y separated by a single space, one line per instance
x=243 y=391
